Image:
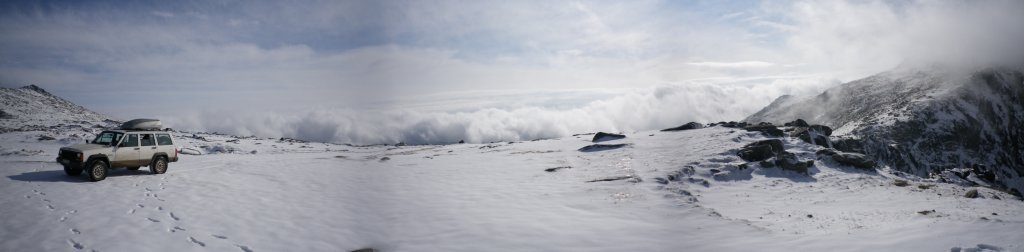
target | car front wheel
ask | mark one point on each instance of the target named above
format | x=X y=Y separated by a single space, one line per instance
x=98 y=170
x=159 y=166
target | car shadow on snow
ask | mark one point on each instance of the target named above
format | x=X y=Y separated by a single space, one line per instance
x=60 y=176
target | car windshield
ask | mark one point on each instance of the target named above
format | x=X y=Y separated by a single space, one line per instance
x=107 y=138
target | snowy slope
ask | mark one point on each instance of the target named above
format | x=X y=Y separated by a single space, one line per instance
x=489 y=197
x=32 y=108
x=926 y=120
x=260 y=194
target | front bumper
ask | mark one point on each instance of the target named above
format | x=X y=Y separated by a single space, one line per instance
x=70 y=159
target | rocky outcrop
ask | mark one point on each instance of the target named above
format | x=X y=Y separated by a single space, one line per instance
x=687 y=126
x=601 y=147
x=855 y=159
x=767 y=130
x=924 y=121
x=601 y=137
x=761 y=150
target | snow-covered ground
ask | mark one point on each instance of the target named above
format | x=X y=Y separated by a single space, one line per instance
x=295 y=196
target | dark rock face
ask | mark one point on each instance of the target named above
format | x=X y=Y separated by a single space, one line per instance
x=821 y=129
x=768 y=130
x=761 y=150
x=601 y=137
x=855 y=159
x=687 y=126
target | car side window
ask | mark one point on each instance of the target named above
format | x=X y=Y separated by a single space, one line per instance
x=131 y=141
x=147 y=140
x=163 y=139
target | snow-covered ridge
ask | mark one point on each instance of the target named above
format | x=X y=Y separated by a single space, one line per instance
x=30 y=108
x=926 y=121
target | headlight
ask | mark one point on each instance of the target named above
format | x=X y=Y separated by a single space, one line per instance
x=79 y=156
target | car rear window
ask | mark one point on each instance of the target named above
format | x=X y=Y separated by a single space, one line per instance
x=164 y=139
x=147 y=140
x=131 y=141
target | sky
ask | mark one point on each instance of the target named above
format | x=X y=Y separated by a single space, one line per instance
x=369 y=72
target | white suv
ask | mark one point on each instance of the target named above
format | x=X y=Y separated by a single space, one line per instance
x=120 y=149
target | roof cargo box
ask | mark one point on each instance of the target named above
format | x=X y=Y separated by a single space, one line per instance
x=142 y=124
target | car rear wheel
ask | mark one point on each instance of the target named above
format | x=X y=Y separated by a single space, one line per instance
x=159 y=165
x=72 y=171
x=97 y=170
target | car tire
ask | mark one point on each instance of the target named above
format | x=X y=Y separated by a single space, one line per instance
x=159 y=165
x=72 y=171
x=97 y=170
x=133 y=168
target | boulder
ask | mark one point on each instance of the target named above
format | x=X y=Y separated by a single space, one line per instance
x=761 y=150
x=806 y=134
x=733 y=124
x=601 y=137
x=973 y=193
x=687 y=126
x=855 y=159
x=789 y=161
x=768 y=130
x=821 y=129
x=848 y=145
x=797 y=123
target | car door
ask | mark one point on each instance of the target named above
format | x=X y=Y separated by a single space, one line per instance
x=127 y=152
x=148 y=147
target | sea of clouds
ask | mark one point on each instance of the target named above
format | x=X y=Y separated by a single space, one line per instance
x=539 y=115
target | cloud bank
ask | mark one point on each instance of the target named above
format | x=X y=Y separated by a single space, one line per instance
x=623 y=111
x=377 y=71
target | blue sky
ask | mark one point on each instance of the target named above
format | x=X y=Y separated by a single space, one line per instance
x=259 y=61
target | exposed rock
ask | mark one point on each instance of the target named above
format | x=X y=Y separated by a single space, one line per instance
x=973 y=193
x=732 y=124
x=797 y=123
x=462 y=141
x=825 y=152
x=601 y=137
x=848 y=145
x=365 y=250
x=808 y=133
x=687 y=126
x=767 y=130
x=631 y=178
x=557 y=168
x=821 y=129
x=900 y=183
x=789 y=161
x=601 y=147
x=384 y=159
x=855 y=159
x=5 y=115
x=761 y=150
x=45 y=138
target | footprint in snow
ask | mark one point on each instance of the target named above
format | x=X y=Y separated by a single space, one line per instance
x=140 y=205
x=131 y=211
x=153 y=220
x=173 y=216
x=244 y=248
x=159 y=208
x=219 y=236
x=75 y=231
x=51 y=207
x=63 y=218
x=197 y=242
x=75 y=244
